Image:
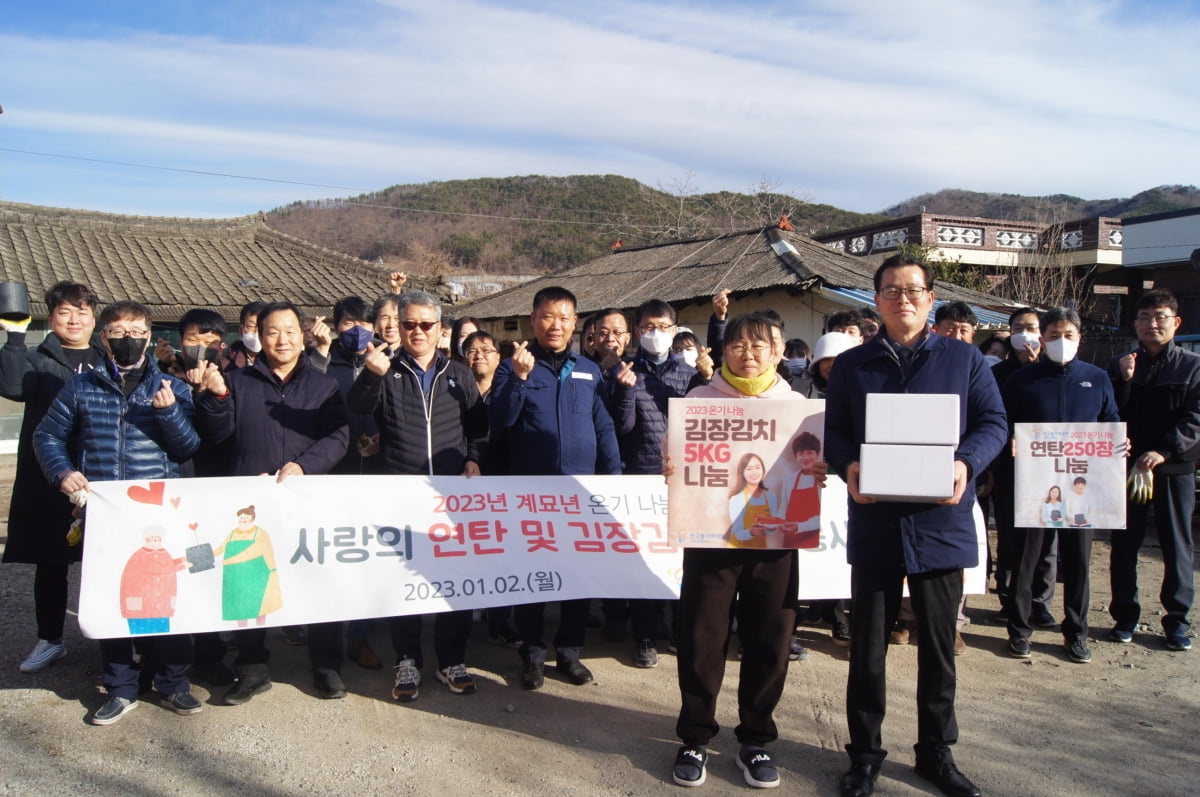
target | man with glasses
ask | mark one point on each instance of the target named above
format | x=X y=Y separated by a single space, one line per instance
x=1158 y=391
x=124 y=419
x=549 y=403
x=641 y=390
x=431 y=422
x=929 y=544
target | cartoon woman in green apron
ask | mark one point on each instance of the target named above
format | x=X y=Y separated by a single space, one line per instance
x=249 y=581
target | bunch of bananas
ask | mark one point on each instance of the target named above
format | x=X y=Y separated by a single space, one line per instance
x=1141 y=485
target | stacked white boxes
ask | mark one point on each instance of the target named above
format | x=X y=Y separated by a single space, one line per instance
x=908 y=454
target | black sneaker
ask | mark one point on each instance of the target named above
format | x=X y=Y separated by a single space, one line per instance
x=1178 y=641
x=1077 y=650
x=533 y=671
x=645 y=655
x=758 y=767
x=573 y=670
x=1018 y=648
x=329 y=684
x=248 y=685
x=841 y=635
x=691 y=765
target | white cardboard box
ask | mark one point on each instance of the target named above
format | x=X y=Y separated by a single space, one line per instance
x=929 y=419
x=921 y=474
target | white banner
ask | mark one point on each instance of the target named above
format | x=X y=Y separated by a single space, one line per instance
x=189 y=555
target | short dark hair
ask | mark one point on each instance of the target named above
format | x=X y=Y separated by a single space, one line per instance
x=384 y=301
x=1020 y=311
x=125 y=309
x=755 y=326
x=796 y=348
x=686 y=336
x=600 y=315
x=204 y=320
x=478 y=335
x=958 y=312
x=772 y=315
x=842 y=319
x=871 y=314
x=277 y=307
x=900 y=261
x=67 y=292
x=806 y=441
x=1157 y=298
x=654 y=308
x=553 y=293
x=251 y=309
x=354 y=308
x=1056 y=314
x=1079 y=480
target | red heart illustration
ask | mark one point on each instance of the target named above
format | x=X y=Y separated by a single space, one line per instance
x=147 y=495
x=193 y=526
x=175 y=502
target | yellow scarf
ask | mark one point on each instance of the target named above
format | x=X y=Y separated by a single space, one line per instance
x=750 y=386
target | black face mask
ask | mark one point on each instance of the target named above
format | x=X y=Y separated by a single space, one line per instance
x=189 y=356
x=127 y=351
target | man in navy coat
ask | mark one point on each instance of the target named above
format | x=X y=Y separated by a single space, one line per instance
x=888 y=542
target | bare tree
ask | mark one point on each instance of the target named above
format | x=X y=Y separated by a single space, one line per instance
x=1043 y=275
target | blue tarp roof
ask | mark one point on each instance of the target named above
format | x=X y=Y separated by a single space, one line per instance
x=858 y=297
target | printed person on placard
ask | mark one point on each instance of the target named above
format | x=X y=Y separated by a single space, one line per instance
x=1079 y=505
x=804 y=500
x=148 y=585
x=751 y=505
x=249 y=579
x=1052 y=508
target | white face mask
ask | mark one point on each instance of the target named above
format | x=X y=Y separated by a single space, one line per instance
x=690 y=356
x=797 y=364
x=1062 y=350
x=656 y=342
x=1020 y=340
x=251 y=342
x=992 y=359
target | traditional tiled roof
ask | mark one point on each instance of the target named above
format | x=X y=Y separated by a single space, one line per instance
x=685 y=271
x=172 y=265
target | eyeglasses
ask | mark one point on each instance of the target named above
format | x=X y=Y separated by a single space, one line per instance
x=646 y=329
x=914 y=294
x=605 y=334
x=1158 y=318
x=117 y=334
x=756 y=350
x=424 y=325
x=469 y=353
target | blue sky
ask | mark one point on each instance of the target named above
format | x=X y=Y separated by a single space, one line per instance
x=856 y=103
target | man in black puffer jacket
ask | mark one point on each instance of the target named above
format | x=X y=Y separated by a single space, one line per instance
x=431 y=422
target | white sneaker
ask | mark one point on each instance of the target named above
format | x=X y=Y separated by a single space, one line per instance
x=44 y=652
x=408 y=681
x=457 y=679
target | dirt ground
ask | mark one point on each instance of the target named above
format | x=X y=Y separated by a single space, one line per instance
x=1125 y=724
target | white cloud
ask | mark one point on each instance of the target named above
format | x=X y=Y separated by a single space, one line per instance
x=857 y=103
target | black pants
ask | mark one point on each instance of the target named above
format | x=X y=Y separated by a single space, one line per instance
x=1075 y=548
x=1174 y=500
x=450 y=633
x=50 y=598
x=530 y=619
x=168 y=656
x=765 y=584
x=874 y=604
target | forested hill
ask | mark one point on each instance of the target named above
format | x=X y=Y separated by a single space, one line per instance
x=1050 y=209
x=534 y=224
